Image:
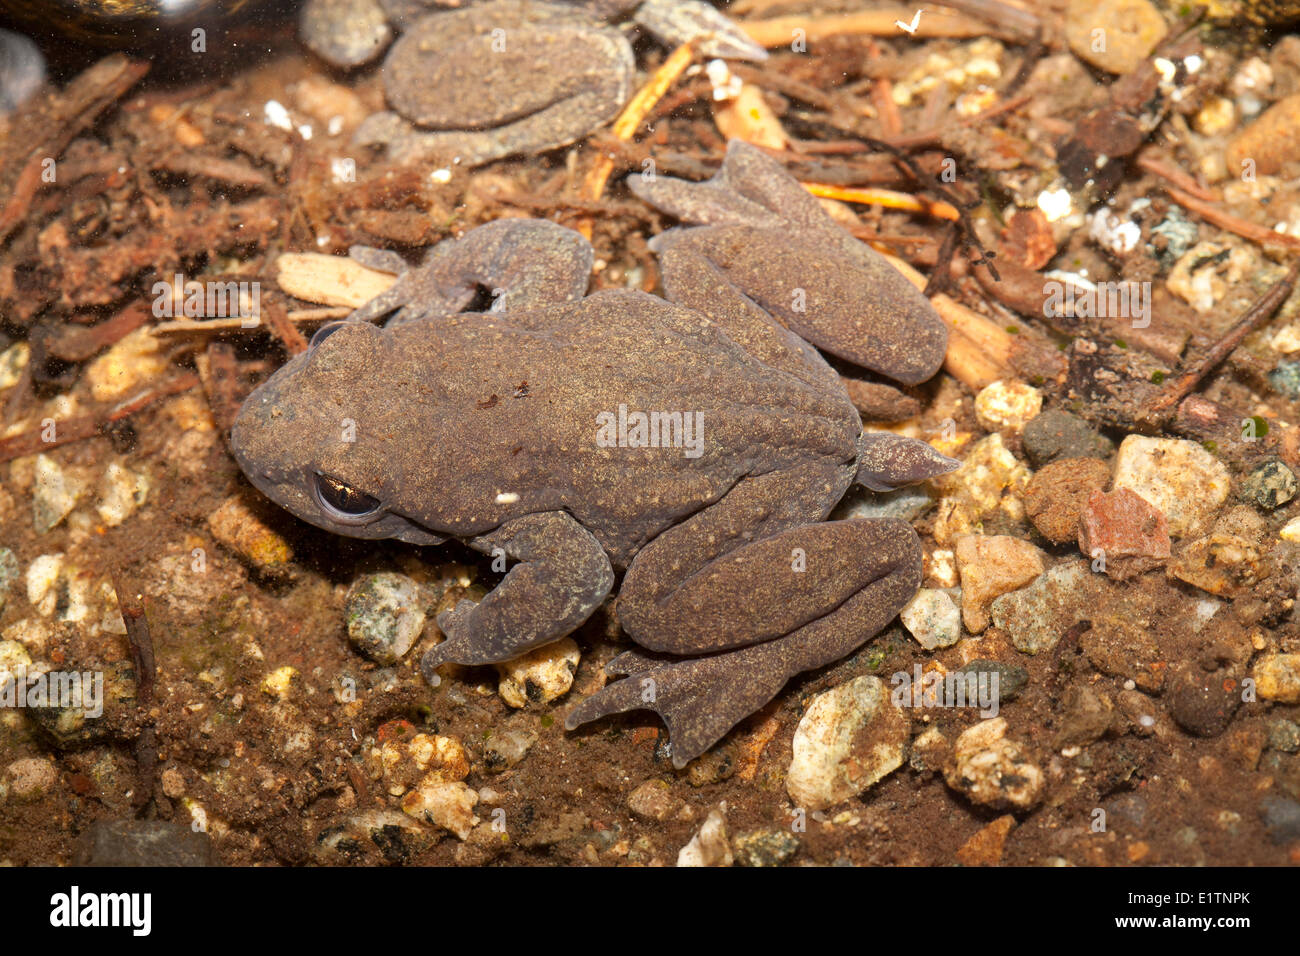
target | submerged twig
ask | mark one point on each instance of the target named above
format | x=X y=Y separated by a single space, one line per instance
x=88 y=426
x=1162 y=407
x=142 y=655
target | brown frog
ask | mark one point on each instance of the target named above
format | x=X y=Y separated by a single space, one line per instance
x=696 y=453
x=503 y=77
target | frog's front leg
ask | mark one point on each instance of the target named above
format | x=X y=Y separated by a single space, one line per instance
x=762 y=595
x=517 y=263
x=562 y=576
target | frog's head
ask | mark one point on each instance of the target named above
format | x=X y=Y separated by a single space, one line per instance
x=323 y=437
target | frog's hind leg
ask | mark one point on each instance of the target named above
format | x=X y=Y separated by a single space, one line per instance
x=700 y=699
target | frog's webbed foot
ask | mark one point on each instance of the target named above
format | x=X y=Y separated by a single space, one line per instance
x=698 y=700
x=702 y=698
x=887 y=461
x=675 y=21
x=749 y=189
x=562 y=576
x=765 y=239
x=509 y=263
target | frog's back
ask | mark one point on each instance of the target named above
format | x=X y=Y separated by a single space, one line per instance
x=624 y=410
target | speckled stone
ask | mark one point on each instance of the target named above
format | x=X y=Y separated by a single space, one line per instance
x=385 y=616
x=849 y=738
x=1285 y=377
x=1036 y=616
x=1277 y=677
x=932 y=618
x=765 y=848
x=1269 y=485
x=1177 y=477
x=990 y=769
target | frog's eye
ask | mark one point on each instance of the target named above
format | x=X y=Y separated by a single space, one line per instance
x=324 y=332
x=342 y=499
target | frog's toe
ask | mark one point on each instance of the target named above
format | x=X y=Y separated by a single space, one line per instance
x=715 y=35
x=698 y=699
x=459 y=645
x=887 y=461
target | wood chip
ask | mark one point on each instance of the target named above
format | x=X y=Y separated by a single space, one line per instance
x=330 y=280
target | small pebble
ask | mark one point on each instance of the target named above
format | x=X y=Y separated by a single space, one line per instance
x=22 y=70
x=1269 y=485
x=1036 y=616
x=1113 y=35
x=1202 y=702
x=765 y=848
x=1178 y=478
x=402 y=759
x=849 y=738
x=149 y=843
x=385 y=616
x=448 y=805
x=279 y=682
x=991 y=770
x=345 y=33
x=393 y=836
x=240 y=530
x=1086 y=716
x=654 y=800
x=1012 y=678
x=12 y=362
x=933 y=619
x=132 y=362
x=986 y=846
x=991 y=566
x=1229 y=561
x=1271 y=141
x=1058 y=492
x=1007 y=405
x=1284 y=735
x=8 y=574
x=121 y=494
x=54 y=494
x=710 y=846
x=41 y=580
x=541 y=675
x=1281 y=818
x=30 y=778
x=1285 y=377
x=1056 y=434
x=989 y=480
x=1277 y=677
x=503 y=750
x=718 y=764
x=908 y=503
x=93 y=711
x=1122 y=529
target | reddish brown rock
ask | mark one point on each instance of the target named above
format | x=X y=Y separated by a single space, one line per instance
x=985 y=847
x=1123 y=529
x=1058 y=493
